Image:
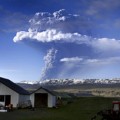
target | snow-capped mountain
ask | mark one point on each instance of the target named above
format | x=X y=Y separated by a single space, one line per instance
x=29 y=82
x=73 y=81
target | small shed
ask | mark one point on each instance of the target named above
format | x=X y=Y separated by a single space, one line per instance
x=43 y=98
x=11 y=93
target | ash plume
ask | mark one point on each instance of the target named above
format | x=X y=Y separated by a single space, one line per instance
x=49 y=59
x=79 y=51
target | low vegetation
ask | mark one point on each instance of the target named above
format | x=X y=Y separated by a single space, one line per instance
x=82 y=108
x=88 y=90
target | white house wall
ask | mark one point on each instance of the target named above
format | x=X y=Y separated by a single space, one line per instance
x=24 y=98
x=51 y=98
x=32 y=99
x=4 y=90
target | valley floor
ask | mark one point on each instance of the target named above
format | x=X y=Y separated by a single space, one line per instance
x=82 y=108
x=91 y=90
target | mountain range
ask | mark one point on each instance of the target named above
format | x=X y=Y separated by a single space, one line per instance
x=55 y=82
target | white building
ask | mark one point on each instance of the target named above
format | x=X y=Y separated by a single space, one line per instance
x=11 y=93
x=43 y=98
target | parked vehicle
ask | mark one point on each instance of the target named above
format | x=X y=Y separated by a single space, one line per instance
x=111 y=114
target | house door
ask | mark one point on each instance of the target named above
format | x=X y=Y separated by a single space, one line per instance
x=41 y=99
x=7 y=99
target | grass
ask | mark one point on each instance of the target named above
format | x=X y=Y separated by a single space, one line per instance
x=80 y=109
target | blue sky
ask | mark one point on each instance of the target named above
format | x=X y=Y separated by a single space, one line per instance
x=59 y=39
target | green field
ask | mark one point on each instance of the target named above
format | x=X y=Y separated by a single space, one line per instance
x=79 y=109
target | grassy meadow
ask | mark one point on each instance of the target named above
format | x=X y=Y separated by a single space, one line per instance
x=79 y=109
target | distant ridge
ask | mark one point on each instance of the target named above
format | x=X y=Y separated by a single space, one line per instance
x=73 y=81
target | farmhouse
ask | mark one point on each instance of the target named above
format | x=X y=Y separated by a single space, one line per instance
x=11 y=93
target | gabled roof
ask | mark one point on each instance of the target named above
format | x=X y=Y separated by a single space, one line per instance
x=13 y=86
x=50 y=92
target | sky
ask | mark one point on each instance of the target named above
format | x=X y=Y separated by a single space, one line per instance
x=59 y=39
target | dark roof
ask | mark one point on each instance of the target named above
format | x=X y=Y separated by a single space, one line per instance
x=45 y=90
x=13 y=86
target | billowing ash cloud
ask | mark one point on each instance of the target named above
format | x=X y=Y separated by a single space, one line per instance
x=46 y=27
x=44 y=20
x=49 y=63
x=51 y=35
x=77 y=52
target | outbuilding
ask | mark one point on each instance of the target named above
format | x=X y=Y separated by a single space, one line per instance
x=43 y=98
x=11 y=93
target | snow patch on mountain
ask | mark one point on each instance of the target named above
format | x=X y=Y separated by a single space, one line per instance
x=73 y=81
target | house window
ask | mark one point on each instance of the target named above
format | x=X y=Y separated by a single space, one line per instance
x=1 y=98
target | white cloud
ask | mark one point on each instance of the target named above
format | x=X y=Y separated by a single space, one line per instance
x=73 y=59
x=51 y=35
x=88 y=67
x=44 y=27
x=89 y=61
x=44 y=20
x=58 y=15
x=100 y=64
x=106 y=44
x=101 y=61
